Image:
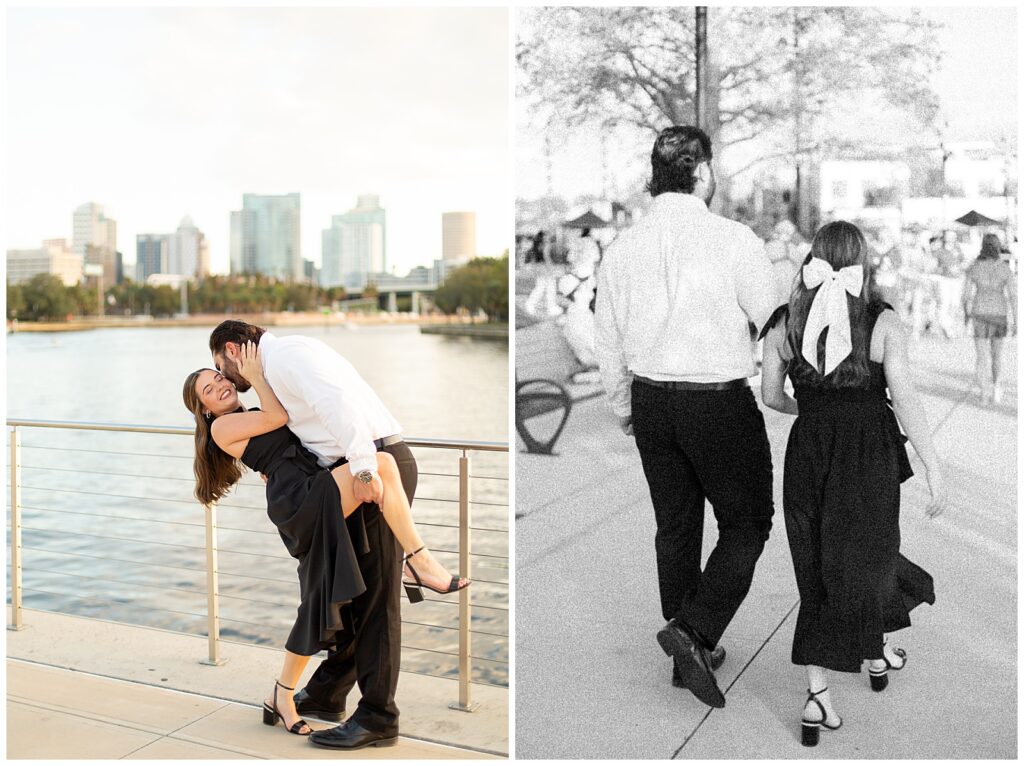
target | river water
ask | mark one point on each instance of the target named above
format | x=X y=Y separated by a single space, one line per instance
x=134 y=551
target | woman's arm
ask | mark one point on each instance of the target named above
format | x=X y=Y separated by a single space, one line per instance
x=773 y=372
x=1010 y=291
x=908 y=407
x=231 y=432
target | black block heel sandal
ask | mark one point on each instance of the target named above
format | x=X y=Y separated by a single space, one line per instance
x=809 y=730
x=880 y=678
x=272 y=714
x=414 y=590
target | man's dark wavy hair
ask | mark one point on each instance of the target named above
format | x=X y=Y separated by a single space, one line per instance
x=677 y=153
x=233 y=331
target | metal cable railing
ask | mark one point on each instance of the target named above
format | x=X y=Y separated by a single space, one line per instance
x=36 y=508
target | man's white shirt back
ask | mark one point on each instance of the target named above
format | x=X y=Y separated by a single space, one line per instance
x=675 y=294
x=332 y=410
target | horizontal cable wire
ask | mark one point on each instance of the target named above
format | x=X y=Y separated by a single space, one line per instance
x=105 y=452
x=119 y=518
x=120 y=561
x=448 y=627
x=91 y=597
x=119 y=539
x=104 y=473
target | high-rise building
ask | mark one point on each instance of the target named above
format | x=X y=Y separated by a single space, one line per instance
x=265 y=237
x=458 y=236
x=152 y=255
x=54 y=257
x=186 y=250
x=94 y=237
x=353 y=249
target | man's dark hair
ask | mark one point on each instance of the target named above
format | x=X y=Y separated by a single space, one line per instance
x=677 y=153
x=233 y=331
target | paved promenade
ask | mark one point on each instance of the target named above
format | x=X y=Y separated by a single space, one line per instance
x=592 y=682
x=85 y=688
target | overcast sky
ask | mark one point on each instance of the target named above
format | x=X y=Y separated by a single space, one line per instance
x=977 y=87
x=158 y=113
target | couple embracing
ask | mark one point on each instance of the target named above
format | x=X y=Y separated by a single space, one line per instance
x=339 y=484
x=682 y=297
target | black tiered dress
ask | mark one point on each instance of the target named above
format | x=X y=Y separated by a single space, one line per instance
x=304 y=503
x=845 y=461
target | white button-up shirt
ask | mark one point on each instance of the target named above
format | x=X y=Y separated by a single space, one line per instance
x=675 y=294
x=332 y=410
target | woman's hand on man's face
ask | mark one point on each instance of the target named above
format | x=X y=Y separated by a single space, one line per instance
x=248 y=362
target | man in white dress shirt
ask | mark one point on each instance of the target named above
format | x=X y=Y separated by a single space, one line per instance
x=678 y=295
x=338 y=417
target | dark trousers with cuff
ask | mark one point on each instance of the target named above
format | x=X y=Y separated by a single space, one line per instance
x=699 y=445
x=368 y=652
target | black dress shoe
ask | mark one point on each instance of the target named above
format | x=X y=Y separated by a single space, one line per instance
x=717 y=658
x=351 y=736
x=306 y=705
x=693 y=662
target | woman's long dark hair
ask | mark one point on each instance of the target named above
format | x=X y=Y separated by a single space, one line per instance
x=840 y=244
x=216 y=471
x=989 y=248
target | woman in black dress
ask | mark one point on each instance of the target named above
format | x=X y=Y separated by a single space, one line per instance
x=845 y=461
x=303 y=501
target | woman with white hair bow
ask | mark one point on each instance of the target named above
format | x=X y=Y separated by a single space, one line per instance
x=845 y=461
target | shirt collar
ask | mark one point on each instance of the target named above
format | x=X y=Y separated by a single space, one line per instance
x=678 y=202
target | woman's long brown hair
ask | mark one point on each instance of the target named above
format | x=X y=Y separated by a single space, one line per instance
x=839 y=244
x=216 y=471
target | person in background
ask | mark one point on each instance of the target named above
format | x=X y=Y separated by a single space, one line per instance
x=949 y=283
x=539 y=257
x=990 y=303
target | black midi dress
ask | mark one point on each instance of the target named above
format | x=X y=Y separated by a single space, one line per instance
x=845 y=461
x=304 y=503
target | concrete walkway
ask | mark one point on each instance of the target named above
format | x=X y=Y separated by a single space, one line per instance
x=59 y=713
x=85 y=688
x=591 y=681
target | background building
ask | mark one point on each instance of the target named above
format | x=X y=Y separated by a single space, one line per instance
x=54 y=257
x=265 y=237
x=458 y=236
x=152 y=253
x=94 y=237
x=187 y=251
x=354 y=248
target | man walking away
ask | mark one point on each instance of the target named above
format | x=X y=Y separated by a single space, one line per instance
x=677 y=295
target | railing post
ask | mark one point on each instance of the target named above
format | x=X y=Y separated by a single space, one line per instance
x=465 y=702
x=15 y=623
x=212 y=594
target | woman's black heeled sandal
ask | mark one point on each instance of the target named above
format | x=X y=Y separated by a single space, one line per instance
x=272 y=714
x=415 y=590
x=809 y=730
x=880 y=678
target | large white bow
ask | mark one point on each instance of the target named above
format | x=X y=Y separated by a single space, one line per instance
x=828 y=309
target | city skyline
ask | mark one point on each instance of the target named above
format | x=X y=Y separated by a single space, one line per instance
x=328 y=102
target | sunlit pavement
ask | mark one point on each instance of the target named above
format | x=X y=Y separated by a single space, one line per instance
x=592 y=682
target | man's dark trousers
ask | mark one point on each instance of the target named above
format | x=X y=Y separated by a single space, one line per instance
x=699 y=445
x=369 y=651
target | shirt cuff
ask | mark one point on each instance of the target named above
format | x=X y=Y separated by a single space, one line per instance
x=368 y=463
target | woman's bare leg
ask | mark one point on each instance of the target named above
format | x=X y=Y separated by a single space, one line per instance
x=398 y=516
x=997 y=369
x=983 y=365
x=294 y=664
x=817 y=679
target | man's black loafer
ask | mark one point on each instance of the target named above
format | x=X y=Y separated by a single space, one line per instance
x=717 y=658
x=351 y=736
x=693 y=663
x=307 y=706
